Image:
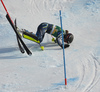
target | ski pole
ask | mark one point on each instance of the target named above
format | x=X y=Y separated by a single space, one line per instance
x=63 y=48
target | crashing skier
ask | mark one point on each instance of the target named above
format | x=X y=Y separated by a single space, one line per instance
x=54 y=30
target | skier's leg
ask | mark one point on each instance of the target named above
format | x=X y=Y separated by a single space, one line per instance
x=30 y=36
x=41 y=32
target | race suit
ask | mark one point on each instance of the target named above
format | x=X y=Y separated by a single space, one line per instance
x=54 y=30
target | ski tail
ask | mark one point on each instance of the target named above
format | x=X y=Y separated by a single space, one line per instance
x=18 y=41
x=15 y=24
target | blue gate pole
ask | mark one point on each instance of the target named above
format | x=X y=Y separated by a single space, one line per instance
x=63 y=48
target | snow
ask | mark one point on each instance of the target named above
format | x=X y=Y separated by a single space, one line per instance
x=44 y=70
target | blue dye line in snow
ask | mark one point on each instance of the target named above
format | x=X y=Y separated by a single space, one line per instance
x=72 y=79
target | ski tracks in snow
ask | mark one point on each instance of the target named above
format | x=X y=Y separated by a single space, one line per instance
x=95 y=78
x=47 y=7
x=90 y=74
x=34 y=7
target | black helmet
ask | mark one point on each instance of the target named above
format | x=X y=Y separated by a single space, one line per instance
x=68 y=38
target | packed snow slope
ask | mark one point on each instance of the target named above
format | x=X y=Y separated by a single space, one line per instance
x=43 y=71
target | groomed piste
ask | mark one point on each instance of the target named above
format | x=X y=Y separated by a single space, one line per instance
x=43 y=71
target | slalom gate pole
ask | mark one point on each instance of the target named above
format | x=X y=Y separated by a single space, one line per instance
x=6 y=10
x=63 y=48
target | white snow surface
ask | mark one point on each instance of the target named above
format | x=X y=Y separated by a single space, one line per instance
x=44 y=70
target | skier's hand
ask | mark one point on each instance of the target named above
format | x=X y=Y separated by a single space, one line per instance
x=65 y=46
x=53 y=39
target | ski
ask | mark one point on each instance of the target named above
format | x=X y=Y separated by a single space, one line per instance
x=17 y=34
x=19 y=38
x=18 y=41
x=20 y=47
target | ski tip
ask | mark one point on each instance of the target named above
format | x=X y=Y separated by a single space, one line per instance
x=30 y=54
x=23 y=52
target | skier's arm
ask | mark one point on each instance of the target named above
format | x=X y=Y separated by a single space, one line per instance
x=59 y=41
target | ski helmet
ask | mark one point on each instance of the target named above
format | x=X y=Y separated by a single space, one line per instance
x=68 y=38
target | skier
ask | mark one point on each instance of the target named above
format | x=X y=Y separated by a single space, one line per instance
x=54 y=30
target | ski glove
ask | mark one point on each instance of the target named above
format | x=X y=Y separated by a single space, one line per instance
x=65 y=46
